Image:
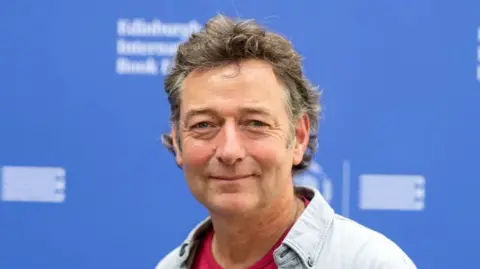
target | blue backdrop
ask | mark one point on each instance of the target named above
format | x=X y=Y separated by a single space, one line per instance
x=81 y=97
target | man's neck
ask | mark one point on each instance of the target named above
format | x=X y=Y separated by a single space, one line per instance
x=242 y=241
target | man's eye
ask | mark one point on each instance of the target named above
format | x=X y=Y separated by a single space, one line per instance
x=201 y=125
x=256 y=123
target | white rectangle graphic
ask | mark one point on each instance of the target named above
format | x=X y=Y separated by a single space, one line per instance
x=478 y=73
x=392 y=192
x=33 y=184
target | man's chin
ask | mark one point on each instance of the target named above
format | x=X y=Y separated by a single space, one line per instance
x=226 y=204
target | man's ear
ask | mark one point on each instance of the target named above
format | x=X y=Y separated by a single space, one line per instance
x=302 y=137
x=176 y=147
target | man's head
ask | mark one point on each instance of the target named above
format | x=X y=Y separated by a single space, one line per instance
x=240 y=108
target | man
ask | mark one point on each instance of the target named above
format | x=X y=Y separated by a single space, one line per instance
x=244 y=120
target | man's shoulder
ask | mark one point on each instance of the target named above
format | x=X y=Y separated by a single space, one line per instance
x=357 y=234
x=177 y=256
x=368 y=248
x=171 y=260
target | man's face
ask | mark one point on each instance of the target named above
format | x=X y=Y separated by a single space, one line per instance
x=236 y=149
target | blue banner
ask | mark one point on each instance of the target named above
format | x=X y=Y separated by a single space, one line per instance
x=86 y=182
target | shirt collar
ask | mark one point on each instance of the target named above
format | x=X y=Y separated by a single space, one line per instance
x=308 y=234
x=305 y=238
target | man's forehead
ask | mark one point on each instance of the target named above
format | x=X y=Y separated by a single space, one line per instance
x=235 y=68
x=245 y=92
x=246 y=72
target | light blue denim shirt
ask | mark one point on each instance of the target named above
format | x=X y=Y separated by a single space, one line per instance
x=320 y=239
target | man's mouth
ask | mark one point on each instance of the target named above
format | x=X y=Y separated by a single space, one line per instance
x=230 y=177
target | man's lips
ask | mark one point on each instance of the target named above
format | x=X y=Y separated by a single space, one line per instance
x=230 y=177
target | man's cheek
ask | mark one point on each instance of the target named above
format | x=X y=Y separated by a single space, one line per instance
x=267 y=153
x=196 y=155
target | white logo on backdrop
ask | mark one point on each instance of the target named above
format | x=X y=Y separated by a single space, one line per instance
x=146 y=47
x=33 y=184
x=392 y=192
x=376 y=191
x=316 y=178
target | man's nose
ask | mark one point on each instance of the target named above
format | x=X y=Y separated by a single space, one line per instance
x=230 y=148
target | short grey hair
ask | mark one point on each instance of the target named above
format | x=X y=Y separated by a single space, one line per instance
x=224 y=41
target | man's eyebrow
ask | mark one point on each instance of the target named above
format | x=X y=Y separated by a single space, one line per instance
x=243 y=110
x=198 y=111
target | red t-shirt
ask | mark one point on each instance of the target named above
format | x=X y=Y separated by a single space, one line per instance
x=205 y=260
